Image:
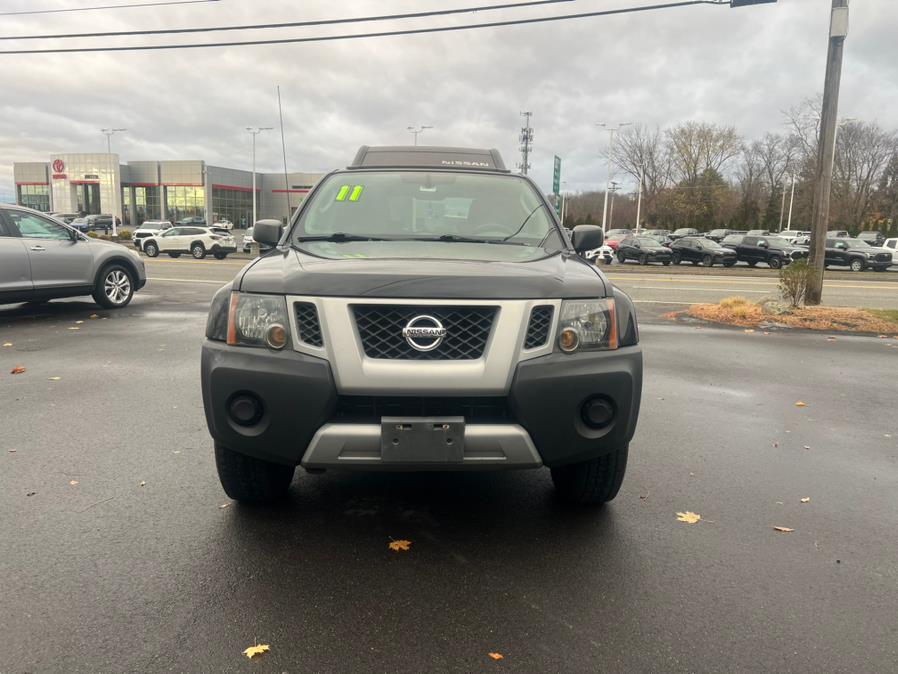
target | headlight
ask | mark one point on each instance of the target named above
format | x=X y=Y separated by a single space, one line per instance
x=258 y=320
x=587 y=325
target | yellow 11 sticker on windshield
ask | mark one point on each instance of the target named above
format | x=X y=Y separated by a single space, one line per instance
x=354 y=192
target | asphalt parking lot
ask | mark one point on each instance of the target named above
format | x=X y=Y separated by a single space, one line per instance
x=122 y=554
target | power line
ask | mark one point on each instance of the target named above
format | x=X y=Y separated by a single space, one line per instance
x=88 y=9
x=358 y=36
x=291 y=24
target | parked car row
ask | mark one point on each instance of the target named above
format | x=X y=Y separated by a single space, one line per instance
x=753 y=247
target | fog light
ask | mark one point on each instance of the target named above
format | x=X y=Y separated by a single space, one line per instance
x=276 y=336
x=568 y=340
x=597 y=412
x=245 y=409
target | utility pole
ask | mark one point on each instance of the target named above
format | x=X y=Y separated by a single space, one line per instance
x=612 y=130
x=526 y=142
x=613 y=189
x=838 y=31
x=109 y=133
x=415 y=130
x=639 y=198
x=255 y=131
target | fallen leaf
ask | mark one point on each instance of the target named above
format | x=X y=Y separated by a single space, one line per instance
x=12 y=451
x=396 y=546
x=55 y=378
x=18 y=369
x=73 y=482
x=784 y=530
x=142 y=483
x=31 y=493
x=496 y=656
x=831 y=338
x=258 y=649
x=78 y=322
x=74 y=327
x=766 y=333
x=643 y=498
x=224 y=505
x=883 y=336
x=688 y=517
x=806 y=499
x=776 y=444
x=93 y=317
x=801 y=404
x=887 y=435
x=807 y=446
x=749 y=330
x=7 y=344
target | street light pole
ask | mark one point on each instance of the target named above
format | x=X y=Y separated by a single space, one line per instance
x=782 y=208
x=416 y=130
x=838 y=31
x=791 y=203
x=612 y=130
x=639 y=198
x=255 y=131
x=109 y=133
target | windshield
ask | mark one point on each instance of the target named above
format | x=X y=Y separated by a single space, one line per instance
x=648 y=242
x=856 y=243
x=709 y=244
x=436 y=210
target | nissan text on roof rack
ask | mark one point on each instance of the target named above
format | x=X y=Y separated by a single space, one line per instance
x=423 y=310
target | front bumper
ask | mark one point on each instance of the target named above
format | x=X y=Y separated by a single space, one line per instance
x=300 y=401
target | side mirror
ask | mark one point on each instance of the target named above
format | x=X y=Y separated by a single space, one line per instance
x=587 y=237
x=268 y=232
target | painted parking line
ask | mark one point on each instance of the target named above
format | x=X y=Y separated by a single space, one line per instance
x=206 y=262
x=184 y=280
x=704 y=290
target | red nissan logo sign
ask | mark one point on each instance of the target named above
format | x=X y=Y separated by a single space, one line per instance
x=58 y=166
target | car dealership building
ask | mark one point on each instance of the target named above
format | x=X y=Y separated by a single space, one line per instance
x=156 y=190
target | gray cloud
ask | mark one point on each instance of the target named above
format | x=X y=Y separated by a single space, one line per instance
x=740 y=67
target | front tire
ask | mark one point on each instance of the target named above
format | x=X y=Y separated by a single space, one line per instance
x=594 y=481
x=857 y=265
x=151 y=248
x=643 y=259
x=220 y=256
x=775 y=263
x=175 y=255
x=115 y=287
x=707 y=261
x=676 y=259
x=250 y=480
x=198 y=251
x=621 y=257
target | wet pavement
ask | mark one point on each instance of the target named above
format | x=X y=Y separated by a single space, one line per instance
x=138 y=567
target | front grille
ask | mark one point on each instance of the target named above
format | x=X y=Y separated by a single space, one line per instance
x=538 y=329
x=141 y=235
x=370 y=409
x=883 y=257
x=380 y=329
x=308 y=324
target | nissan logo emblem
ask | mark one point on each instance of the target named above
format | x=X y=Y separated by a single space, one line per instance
x=424 y=333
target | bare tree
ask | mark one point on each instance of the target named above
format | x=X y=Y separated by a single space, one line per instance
x=863 y=151
x=639 y=147
x=696 y=148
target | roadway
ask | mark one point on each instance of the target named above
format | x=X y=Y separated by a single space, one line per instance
x=660 y=286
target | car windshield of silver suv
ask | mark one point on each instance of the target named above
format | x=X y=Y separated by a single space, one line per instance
x=418 y=317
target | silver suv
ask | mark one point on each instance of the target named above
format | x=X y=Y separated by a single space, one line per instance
x=42 y=258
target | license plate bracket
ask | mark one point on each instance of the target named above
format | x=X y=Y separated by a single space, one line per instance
x=422 y=439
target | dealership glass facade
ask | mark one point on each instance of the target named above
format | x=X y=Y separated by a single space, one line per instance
x=183 y=201
x=146 y=204
x=34 y=196
x=233 y=205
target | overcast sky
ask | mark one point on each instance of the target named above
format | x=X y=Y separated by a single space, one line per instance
x=730 y=66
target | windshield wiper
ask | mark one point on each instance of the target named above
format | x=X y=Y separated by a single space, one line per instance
x=340 y=237
x=455 y=238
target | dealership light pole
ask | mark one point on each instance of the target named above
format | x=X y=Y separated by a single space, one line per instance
x=639 y=198
x=838 y=31
x=109 y=133
x=791 y=203
x=255 y=131
x=415 y=130
x=612 y=130
x=613 y=189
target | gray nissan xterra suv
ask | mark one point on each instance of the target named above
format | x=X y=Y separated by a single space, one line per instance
x=424 y=310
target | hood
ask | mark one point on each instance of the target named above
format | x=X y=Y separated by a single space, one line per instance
x=295 y=273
